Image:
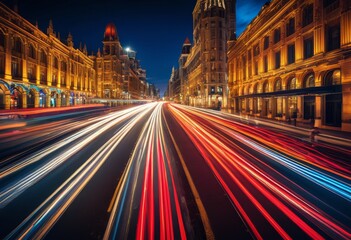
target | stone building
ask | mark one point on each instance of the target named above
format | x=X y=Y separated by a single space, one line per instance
x=38 y=69
x=206 y=64
x=109 y=65
x=293 y=63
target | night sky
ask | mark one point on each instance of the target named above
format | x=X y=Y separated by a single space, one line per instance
x=155 y=29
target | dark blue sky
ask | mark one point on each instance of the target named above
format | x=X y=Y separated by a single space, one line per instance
x=155 y=29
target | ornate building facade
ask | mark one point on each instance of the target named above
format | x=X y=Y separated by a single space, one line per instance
x=109 y=65
x=206 y=64
x=37 y=69
x=293 y=62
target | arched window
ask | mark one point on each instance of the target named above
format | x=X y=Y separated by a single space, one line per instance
x=31 y=51
x=255 y=88
x=73 y=68
x=278 y=85
x=17 y=45
x=333 y=78
x=63 y=66
x=43 y=58
x=309 y=80
x=291 y=84
x=55 y=63
x=2 y=41
x=265 y=87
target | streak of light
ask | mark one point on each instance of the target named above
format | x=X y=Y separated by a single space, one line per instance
x=40 y=221
x=228 y=161
x=76 y=142
x=148 y=167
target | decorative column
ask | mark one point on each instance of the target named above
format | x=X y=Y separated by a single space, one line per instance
x=24 y=99
x=59 y=75
x=319 y=29
x=7 y=99
x=345 y=23
x=48 y=99
x=24 y=64
x=49 y=69
x=36 y=99
x=8 y=56
x=58 y=100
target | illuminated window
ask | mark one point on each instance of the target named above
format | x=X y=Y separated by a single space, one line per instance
x=309 y=81
x=291 y=84
x=333 y=78
x=278 y=85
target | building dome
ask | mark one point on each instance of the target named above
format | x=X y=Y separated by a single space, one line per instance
x=110 y=32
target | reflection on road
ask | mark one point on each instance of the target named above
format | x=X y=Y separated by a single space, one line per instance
x=279 y=186
x=252 y=166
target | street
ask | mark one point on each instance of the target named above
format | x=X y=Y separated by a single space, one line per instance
x=167 y=171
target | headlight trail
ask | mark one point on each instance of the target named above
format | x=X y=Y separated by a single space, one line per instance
x=147 y=199
x=77 y=142
x=238 y=170
x=37 y=225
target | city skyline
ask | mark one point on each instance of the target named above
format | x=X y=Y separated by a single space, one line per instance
x=157 y=43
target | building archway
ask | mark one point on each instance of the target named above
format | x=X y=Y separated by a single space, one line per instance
x=64 y=97
x=31 y=99
x=53 y=99
x=42 y=98
x=16 y=100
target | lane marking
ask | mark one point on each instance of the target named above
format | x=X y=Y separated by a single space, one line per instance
x=204 y=217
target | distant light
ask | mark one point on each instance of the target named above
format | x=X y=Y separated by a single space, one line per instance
x=127 y=49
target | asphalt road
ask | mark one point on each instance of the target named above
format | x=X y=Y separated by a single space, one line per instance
x=163 y=171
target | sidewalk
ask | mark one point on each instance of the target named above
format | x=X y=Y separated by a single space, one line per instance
x=325 y=135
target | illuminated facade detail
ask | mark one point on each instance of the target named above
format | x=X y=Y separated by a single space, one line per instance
x=119 y=74
x=204 y=83
x=293 y=63
x=109 y=65
x=177 y=84
x=37 y=69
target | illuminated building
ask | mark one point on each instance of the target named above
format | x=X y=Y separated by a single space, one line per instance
x=206 y=64
x=109 y=65
x=293 y=63
x=119 y=74
x=184 y=96
x=177 y=84
x=38 y=69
